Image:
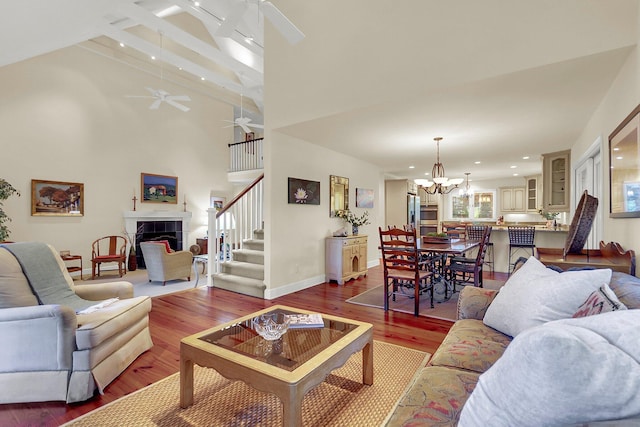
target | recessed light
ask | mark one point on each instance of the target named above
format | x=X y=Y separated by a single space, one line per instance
x=426 y=173
x=196 y=3
x=525 y=158
x=619 y=158
x=515 y=174
x=202 y=78
x=153 y=57
x=412 y=167
x=616 y=149
x=513 y=167
x=121 y=44
x=478 y=162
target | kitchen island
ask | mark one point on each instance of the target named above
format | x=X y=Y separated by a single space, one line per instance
x=545 y=238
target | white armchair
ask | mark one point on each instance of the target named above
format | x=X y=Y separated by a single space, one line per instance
x=162 y=265
x=51 y=353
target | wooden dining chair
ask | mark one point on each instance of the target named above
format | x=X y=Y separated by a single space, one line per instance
x=401 y=266
x=464 y=271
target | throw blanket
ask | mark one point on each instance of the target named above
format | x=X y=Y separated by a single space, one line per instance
x=42 y=270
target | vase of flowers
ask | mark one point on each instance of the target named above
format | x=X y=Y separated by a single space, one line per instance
x=355 y=221
x=551 y=217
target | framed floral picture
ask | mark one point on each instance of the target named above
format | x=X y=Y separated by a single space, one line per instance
x=57 y=198
x=303 y=192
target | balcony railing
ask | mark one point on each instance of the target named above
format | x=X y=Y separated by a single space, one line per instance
x=246 y=155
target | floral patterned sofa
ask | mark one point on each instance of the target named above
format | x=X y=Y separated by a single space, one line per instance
x=441 y=389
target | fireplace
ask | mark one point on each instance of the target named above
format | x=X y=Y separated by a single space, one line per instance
x=158 y=225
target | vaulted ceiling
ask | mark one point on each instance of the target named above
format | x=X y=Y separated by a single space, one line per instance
x=498 y=79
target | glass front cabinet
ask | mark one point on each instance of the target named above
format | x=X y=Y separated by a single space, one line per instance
x=556 y=175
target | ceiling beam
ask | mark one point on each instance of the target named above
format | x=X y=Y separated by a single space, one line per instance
x=176 y=60
x=148 y=19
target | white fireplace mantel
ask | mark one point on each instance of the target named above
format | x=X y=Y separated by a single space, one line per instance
x=131 y=219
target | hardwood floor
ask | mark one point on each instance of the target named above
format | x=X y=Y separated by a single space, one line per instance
x=184 y=313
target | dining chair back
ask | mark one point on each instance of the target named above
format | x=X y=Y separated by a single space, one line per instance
x=463 y=271
x=402 y=267
x=521 y=238
x=475 y=232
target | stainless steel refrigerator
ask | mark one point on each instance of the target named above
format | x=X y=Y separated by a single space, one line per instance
x=413 y=210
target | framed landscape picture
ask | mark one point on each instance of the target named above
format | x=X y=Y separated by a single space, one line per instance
x=56 y=198
x=159 y=188
x=303 y=192
x=217 y=203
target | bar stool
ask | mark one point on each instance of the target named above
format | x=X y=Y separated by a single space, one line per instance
x=475 y=232
x=520 y=239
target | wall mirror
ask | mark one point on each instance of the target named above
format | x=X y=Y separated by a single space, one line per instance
x=339 y=195
x=624 y=168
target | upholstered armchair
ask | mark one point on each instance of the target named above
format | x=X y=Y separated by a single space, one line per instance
x=56 y=343
x=163 y=265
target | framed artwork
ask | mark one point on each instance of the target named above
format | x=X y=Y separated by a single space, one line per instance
x=624 y=168
x=159 y=188
x=364 y=198
x=56 y=198
x=303 y=192
x=217 y=203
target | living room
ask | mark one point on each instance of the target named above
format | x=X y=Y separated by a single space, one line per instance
x=65 y=117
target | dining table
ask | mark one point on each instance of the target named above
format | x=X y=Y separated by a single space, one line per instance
x=436 y=254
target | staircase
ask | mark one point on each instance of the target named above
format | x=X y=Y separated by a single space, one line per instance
x=244 y=273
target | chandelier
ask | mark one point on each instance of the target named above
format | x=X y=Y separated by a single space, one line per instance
x=440 y=184
x=466 y=192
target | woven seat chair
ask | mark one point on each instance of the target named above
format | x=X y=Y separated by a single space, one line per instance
x=465 y=271
x=401 y=264
x=475 y=232
x=521 y=239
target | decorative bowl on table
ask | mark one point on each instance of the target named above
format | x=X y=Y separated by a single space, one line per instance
x=436 y=239
x=271 y=326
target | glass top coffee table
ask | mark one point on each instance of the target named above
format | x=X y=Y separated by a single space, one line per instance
x=288 y=367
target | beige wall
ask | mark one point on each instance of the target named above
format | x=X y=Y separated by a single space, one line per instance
x=64 y=117
x=295 y=236
x=620 y=100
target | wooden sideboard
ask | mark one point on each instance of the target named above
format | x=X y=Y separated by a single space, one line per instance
x=345 y=258
x=610 y=255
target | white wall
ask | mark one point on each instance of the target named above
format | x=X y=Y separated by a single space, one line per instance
x=295 y=236
x=64 y=117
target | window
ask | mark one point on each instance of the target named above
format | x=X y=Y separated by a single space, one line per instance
x=478 y=206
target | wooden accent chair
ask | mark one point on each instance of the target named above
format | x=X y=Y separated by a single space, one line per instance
x=401 y=262
x=108 y=249
x=463 y=271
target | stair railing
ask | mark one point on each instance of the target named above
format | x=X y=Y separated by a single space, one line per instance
x=234 y=223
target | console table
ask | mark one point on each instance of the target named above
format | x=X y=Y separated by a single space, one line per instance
x=345 y=258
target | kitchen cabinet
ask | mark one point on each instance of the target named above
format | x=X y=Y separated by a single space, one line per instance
x=512 y=199
x=533 y=193
x=402 y=205
x=556 y=168
x=345 y=258
x=430 y=212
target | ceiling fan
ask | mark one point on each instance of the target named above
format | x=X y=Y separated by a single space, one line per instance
x=160 y=96
x=288 y=30
x=244 y=122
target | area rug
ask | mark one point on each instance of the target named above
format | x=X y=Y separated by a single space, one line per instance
x=446 y=310
x=141 y=284
x=341 y=400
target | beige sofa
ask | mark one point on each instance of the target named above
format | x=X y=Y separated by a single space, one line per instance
x=51 y=353
x=162 y=265
x=440 y=390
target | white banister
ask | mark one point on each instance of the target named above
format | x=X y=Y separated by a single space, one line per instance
x=231 y=226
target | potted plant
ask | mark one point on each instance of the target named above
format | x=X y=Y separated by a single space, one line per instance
x=6 y=191
x=355 y=221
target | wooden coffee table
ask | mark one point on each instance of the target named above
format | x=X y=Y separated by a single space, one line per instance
x=288 y=368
